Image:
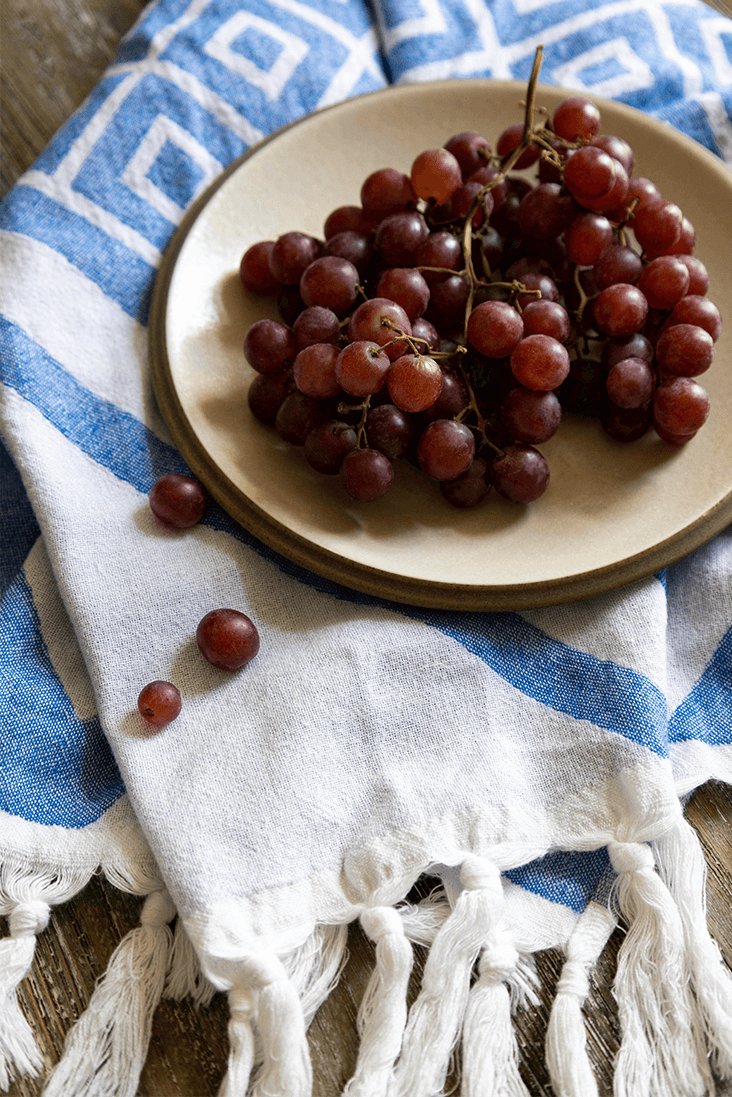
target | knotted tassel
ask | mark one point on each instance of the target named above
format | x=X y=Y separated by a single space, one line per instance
x=19 y=1052
x=681 y=864
x=437 y=1014
x=566 y=1040
x=235 y=1083
x=383 y=1011
x=262 y=985
x=660 y=1052
x=106 y=1049
x=490 y=1053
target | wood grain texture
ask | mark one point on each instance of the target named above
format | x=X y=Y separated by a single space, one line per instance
x=54 y=51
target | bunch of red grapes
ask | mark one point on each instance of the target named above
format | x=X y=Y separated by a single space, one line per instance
x=456 y=314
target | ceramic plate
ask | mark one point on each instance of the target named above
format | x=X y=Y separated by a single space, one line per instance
x=613 y=513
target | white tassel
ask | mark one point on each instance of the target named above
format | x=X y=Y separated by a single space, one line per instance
x=659 y=1052
x=490 y=1052
x=383 y=1011
x=280 y=1026
x=422 y=920
x=19 y=1052
x=315 y=967
x=682 y=865
x=566 y=1039
x=241 y=1044
x=106 y=1049
x=185 y=976
x=437 y=1014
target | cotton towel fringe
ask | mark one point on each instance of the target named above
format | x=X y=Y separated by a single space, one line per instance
x=106 y=1049
x=661 y=1051
x=682 y=866
x=437 y=1015
x=27 y=893
x=566 y=1040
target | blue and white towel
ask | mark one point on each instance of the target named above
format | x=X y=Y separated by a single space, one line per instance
x=535 y=761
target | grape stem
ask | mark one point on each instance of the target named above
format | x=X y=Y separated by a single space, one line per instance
x=364 y=407
x=472 y=406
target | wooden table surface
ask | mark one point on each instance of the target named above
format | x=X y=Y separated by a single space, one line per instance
x=54 y=51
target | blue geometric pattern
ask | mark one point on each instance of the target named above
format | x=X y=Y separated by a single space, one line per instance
x=196 y=84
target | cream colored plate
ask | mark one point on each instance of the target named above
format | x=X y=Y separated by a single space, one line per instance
x=613 y=513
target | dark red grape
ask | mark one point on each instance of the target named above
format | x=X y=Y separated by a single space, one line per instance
x=540 y=363
x=699 y=311
x=530 y=416
x=439 y=249
x=314 y=371
x=398 y=237
x=620 y=310
x=227 y=638
x=361 y=368
x=587 y=237
x=414 y=382
x=445 y=449
x=407 y=287
x=353 y=246
x=617 y=263
x=177 y=500
x=291 y=254
x=327 y=446
x=159 y=703
x=367 y=474
x=389 y=430
x=521 y=474
x=633 y=346
x=254 y=269
x=330 y=282
x=510 y=140
x=495 y=328
x=269 y=346
x=379 y=320
x=266 y=395
x=630 y=383
x=544 y=317
x=316 y=325
x=387 y=191
x=471 y=150
x=576 y=119
x=297 y=416
x=470 y=488
x=436 y=174
x=681 y=405
x=684 y=350
x=664 y=282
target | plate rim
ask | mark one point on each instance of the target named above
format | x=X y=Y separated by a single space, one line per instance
x=333 y=566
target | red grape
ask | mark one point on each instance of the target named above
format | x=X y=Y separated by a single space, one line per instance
x=576 y=119
x=367 y=474
x=470 y=488
x=177 y=500
x=254 y=270
x=314 y=371
x=269 y=346
x=445 y=449
x=227 y=638
x=159 y=703
x=521 y=474
x=414 y=382
x=684 y=350
x=436 y=174
x=495 y=328
x=540 y=362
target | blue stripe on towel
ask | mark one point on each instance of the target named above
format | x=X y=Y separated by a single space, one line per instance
x=54 y=768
